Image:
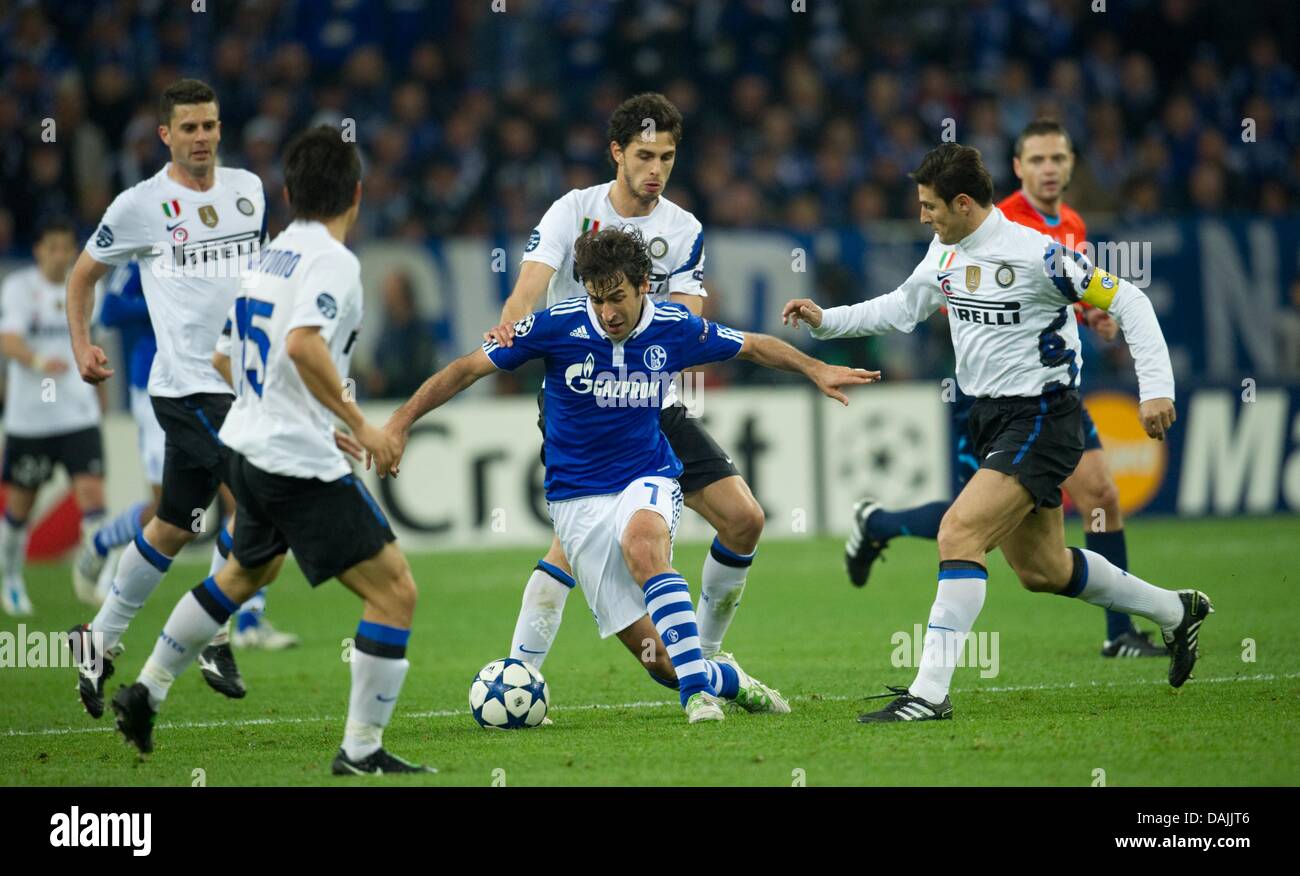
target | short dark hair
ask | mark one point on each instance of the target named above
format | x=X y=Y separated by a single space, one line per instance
x=606 y=258
x=183 y=92
x=1039 y=127
x=321 y=172
x=628 y=120
x=951 y=170
x=53 y=224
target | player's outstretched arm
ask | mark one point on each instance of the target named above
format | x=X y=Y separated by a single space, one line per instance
x=897 y=311
x=436 y=391
x=311 y=357
x=91 y=360
x=534 y=277
x=770 y=352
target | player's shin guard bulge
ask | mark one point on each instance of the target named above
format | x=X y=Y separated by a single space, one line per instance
x=138 y=574
x=721 y=586
x=540 y=613
x=960 y=596
x=194 y=620
x=379 y=668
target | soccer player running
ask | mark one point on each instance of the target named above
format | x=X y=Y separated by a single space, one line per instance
x=296 y=320
x=51 y=417
x=192 y=227
x=1044 y=162
x=644 y=133
x=611 y=473
x=124 y=308
x=1017 y=350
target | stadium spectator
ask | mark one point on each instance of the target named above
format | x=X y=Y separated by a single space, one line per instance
x=404 y=355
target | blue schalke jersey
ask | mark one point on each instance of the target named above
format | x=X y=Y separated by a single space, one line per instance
x=603 y=397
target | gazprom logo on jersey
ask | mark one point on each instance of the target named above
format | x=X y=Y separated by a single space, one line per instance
x=635 y=389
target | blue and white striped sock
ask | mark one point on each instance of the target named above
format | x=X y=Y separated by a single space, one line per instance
x=118 y=530
x=723 y=679
x=668 y=600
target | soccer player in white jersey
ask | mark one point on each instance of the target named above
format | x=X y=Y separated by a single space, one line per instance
x=51 y=417
x=611 y=473
x=1010 y=292
x=193 y=227
x=296 y=320
x=643 y=135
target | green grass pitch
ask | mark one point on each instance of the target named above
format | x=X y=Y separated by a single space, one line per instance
x=1055 y=713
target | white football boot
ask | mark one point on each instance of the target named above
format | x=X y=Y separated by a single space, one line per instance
x=754 y=696
x=702 y=706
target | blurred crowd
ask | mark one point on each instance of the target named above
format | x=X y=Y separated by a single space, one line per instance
x=472 y=120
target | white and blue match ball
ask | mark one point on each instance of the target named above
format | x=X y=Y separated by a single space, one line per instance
x=508 y=694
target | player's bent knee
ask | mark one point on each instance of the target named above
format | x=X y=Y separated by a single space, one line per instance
x=404 y=595
x=1035 y=580
x=241 y=584
x=555 y=556
x=957 y=540
x=744 y=527
x=1107 y=499
x=167 y=537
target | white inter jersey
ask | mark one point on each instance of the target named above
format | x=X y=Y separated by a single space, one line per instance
x=304 y=278
x=673 y=236
x=192 y=247
x=1009 y=291
x=36 y=310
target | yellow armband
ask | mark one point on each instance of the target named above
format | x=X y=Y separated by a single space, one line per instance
x=1100 y=289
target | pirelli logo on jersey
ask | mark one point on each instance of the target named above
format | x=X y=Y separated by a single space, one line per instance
x=984 y=312
x=231 y=255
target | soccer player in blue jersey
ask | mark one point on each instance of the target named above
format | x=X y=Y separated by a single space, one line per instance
x=611 y=475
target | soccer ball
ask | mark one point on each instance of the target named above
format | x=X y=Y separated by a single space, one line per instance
x=508 y=694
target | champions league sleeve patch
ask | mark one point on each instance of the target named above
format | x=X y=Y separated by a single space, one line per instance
x=326 y=304
x=525 y=325
x=533 y=239
x=104 y=237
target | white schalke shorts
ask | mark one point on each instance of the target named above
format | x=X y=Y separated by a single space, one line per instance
x=590 y=530
x=150 y=437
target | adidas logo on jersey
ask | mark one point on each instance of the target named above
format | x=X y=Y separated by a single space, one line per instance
x=580 y=332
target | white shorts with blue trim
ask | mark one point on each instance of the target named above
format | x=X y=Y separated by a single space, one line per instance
x=591 y=530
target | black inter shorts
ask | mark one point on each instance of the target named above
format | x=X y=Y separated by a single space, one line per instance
x=1038 y=441
x=965 y=463
x=703 y=461
x=29 y=462
x=330 y=526
x=1091 y=440
x=195 y=460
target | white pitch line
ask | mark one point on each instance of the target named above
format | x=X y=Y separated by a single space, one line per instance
x=640 y=704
